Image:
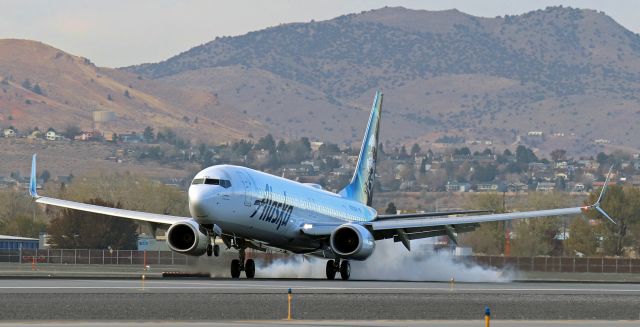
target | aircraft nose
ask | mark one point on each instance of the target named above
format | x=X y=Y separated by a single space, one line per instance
x=199 y=198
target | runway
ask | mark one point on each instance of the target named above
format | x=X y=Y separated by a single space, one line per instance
x=265 y=299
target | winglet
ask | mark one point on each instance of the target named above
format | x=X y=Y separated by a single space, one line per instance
x=597 y=204
x=33 y=182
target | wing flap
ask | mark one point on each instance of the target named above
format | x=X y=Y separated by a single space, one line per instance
x=431 y=214
x=123 y=213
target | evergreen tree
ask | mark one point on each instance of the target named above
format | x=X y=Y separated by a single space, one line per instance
x=37 y=89
x=45 y=176
x=148 y=134
x=391 y=209
x=267 y=143
x=415 y=149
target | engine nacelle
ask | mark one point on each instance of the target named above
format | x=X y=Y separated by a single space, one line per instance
x=352 y=241
x=187 y=237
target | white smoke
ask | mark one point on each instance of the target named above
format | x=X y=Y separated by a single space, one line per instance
x=391 y=261
x=297 y=266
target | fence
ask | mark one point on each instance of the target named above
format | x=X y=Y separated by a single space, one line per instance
x=561 y=264
x=99 y=257
x=131 y=257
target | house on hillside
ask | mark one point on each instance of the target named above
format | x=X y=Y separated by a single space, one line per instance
x=576 y=187
x=131 y=138
x=9 y=132
x=517 y=187
x=109 y=136
x=36 y=134
x=7 y=181
x=545 y=187
x=84 y=136
x=51 y=135
x=458 y=187
x=487 y=187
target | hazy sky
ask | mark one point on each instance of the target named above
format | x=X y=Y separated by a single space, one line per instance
x=117 y=33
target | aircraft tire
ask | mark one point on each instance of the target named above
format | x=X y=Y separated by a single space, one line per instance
x=250 y=268
x=331 y=270
x=209 y=250
x=345 y=270
x=216 y=250
x=235 y=268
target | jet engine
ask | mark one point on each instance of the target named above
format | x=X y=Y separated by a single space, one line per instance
x=187 y=237
x=352 y=241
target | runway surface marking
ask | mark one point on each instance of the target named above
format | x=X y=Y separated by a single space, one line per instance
x=306 y=285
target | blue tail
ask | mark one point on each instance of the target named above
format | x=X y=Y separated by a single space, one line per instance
x=361 y=186
x=33 y=182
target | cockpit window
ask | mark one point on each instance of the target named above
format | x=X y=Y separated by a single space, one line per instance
x=212 y=181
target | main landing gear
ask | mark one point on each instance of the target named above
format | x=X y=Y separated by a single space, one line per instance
x=334 y=266
x=240 y=265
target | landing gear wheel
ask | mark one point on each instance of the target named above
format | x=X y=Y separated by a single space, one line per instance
x=331 y=270
x=235 y=268
x=345 y=270
x=250 y=268
x=216 y=250
x=209 y=250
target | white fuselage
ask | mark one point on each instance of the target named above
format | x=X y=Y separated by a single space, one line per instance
x=269 y=209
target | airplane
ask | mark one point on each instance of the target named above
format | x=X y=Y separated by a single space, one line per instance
x=246 y=208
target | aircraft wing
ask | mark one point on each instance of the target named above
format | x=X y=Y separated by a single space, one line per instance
x=403 y=229
x=123 y=213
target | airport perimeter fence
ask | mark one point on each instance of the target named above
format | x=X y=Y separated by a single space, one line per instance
x=116 y=257
x=133 y=257
x=97 y=257
x=561 y=264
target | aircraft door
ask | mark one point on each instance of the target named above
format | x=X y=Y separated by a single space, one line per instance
x=246 y=184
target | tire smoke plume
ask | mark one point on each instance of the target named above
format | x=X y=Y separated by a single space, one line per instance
x=391 y=261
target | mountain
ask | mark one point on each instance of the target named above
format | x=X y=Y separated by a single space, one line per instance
x=41 y=86
x=570 y=73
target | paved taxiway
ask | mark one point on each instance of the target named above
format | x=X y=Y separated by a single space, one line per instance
x=216 y=299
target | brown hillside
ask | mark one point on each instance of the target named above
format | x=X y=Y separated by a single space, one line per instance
x=568 y=72
x=72 y=87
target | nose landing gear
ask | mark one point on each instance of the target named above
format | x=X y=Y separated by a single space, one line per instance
x=334 y=266
x=213 y=248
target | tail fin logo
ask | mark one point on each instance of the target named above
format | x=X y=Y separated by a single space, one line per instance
x=361 y=186
x=371 y=173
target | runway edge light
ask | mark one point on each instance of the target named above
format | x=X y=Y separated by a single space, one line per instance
x=487 y=316
x=289 y=296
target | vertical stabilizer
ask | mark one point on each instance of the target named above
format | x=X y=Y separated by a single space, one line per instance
x=361 y=186
x=33 y=181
